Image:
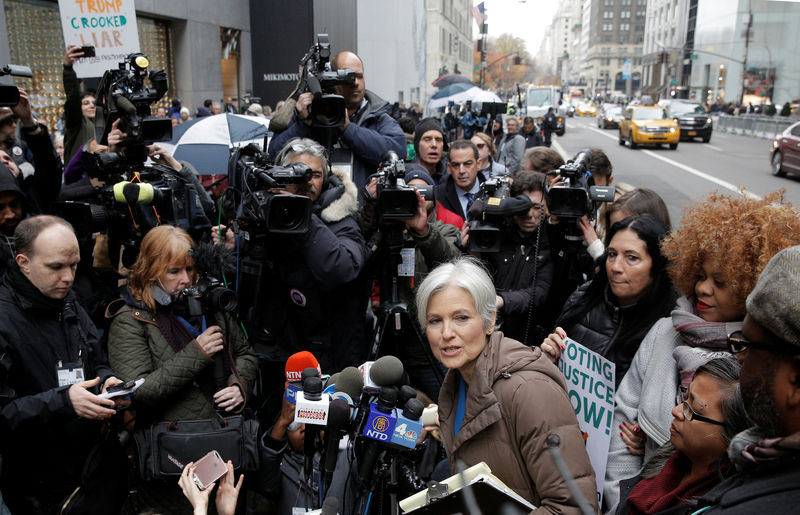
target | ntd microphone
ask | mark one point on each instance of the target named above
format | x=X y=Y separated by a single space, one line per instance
x=408 y=427
x=295 y=365
x=312 y=407
x=382 y=417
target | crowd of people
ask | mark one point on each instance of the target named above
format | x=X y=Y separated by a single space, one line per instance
x=467 y=270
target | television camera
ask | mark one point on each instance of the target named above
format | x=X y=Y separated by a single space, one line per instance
x=327 y=108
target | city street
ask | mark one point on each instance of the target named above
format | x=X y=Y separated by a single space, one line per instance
x=688 y=173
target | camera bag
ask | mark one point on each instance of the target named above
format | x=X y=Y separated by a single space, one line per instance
x=166 y=447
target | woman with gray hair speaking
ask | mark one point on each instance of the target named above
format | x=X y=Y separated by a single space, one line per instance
x=500 y=400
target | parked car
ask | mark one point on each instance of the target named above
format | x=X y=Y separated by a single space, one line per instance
x=785 y=154
x=648 y=125
x=693 y=120
x=609 y=117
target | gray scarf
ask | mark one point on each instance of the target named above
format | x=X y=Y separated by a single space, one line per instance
x=701 y=341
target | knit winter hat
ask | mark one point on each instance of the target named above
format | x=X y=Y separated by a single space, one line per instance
x=425 y=125
x=773 y=302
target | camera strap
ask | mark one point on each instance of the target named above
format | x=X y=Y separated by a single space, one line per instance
x=189 y=327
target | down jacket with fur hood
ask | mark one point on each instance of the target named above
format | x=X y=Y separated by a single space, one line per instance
x=516 y=398
x=315 y=298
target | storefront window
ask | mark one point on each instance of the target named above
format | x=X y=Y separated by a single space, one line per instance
x=35 y=40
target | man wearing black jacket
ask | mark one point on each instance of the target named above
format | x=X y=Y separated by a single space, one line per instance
x=523 y=268
x=51 y=369
x=316 y=299
x=366 y=133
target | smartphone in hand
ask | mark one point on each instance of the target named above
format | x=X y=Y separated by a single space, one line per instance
x=88 y=51
x=208 y=469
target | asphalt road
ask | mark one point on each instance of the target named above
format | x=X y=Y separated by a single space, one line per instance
x=688 y=173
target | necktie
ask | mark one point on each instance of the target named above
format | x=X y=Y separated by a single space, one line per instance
x=469 y=196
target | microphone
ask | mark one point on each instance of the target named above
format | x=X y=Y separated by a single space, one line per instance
x=378 y=427
x=406 y=394
x=330 y=385
x=386 y=371
x=295 y=365
x=338 y=424
x=312 y=406
x=429 y=415
x=408 y=427
x=349 y=385
x=210 y=260
x=553 y=442
x=311 y=409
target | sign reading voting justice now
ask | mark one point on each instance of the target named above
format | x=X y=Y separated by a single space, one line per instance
x=590 y=384
x=107 y=25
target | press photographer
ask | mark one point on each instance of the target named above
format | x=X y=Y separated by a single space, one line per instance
x=365 y=130
x=119 y=194
x=196 y=363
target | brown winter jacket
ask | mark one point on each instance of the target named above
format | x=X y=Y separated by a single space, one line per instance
x=516 y=398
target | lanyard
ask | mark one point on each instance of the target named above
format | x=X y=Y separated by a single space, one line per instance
x=189 y=327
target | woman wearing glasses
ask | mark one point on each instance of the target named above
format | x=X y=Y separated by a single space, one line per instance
x=695 y=458
x=714 y=261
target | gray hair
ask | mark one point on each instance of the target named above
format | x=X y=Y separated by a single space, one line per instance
x=298 y=146
x=463 y=272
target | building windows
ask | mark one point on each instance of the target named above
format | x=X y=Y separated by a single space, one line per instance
x=608 y=27
x=639 y=27
x=607 y=15
x=624 y=38
x=624 y=27
x=625 y=15
x=605 y=39
x=608 y=3
x=641 y=15
x=625 y=2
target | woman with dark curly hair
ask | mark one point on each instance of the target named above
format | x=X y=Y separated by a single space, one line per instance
x=715 y=259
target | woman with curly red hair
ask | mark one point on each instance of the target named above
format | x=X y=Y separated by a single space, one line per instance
x=714 y=259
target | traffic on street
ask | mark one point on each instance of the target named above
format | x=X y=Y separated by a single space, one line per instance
x=727 y=164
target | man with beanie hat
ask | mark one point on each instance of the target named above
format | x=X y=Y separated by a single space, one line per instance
x=12 y=202
x=767 y=456
x=429 y=145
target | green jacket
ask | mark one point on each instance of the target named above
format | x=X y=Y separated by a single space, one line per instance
x=137 y=348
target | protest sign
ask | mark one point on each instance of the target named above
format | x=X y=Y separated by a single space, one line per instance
x=590 y=384
x=107 y=25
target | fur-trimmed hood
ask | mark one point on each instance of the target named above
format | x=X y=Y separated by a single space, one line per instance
x=339 y=199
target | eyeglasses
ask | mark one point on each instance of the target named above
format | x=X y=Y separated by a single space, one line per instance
x=738 y=343
x=690 y=414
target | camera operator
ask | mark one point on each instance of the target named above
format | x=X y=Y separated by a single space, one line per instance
x=434 y=242
x=52 y=367
x=366 y=133
x=316 y=299
x=79 y=107
x=522 y=270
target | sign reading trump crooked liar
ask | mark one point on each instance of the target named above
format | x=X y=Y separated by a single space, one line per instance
x=590 y=384
x=107 y=25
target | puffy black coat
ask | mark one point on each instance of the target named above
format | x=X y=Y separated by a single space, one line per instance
x=315 y=296
x=612 y=331
x=513 y=269
x=44 y=443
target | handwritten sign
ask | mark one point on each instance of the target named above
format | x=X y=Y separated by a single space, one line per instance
x=590 y=385
x=107 y=25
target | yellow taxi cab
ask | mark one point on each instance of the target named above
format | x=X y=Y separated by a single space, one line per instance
x=586 y=109
x=651 y=125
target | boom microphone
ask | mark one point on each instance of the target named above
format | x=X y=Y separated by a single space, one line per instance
x=210 y=260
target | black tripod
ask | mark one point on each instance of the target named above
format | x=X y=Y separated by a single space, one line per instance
x=394 y=327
